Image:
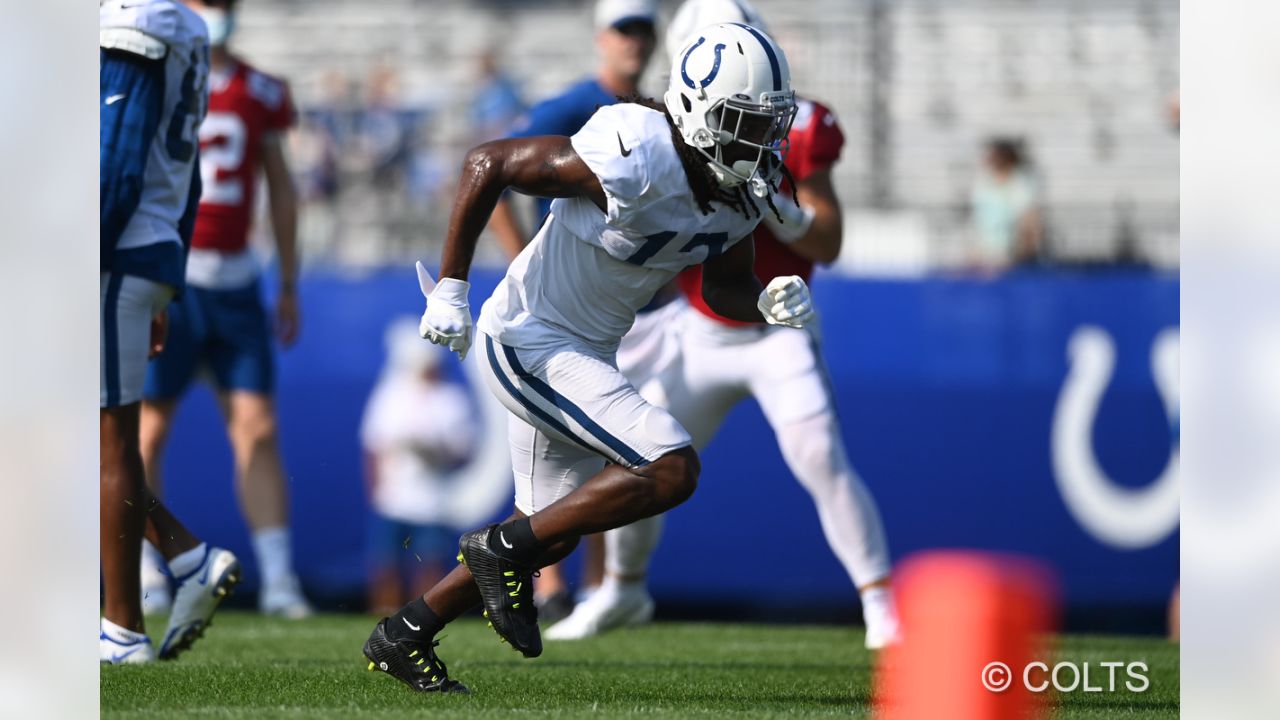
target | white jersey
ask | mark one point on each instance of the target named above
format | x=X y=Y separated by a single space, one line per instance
x=169 y=31
x=587 y=272
x=412 y=428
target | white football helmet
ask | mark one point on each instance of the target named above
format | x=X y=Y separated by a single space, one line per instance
x=730 y=83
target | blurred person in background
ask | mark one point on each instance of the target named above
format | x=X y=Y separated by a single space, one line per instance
x=497 y=102
x=315 y=163
x=382 y=129
x=153 y=70
x=699 y=365
x=376 y=205
x=1005 y=204
x=222 y=325
x=418 y=429
x=315 y=155
x=626 y=35
x=318 y=146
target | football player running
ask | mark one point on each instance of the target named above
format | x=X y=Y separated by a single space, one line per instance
x=625 y=40
x=221 y=323
x=154 y=63
x=642 y=192
x=712 y=362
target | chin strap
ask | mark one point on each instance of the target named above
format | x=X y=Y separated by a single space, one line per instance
x=757 y=185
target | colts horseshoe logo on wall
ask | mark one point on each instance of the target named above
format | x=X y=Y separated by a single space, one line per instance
x=1130 y=518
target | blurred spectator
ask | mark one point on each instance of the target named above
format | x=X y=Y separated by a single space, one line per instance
x=1005 y=206
x=497 y=101
x=626 y=35
x=418 y=430
x=383 y=128
x=315 y=154
x=376 y=207
x=316 y=148
x=335 y=109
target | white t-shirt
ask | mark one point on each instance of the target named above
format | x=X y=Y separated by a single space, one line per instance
x=997 y=209
x=587 y=272
x=413 y=428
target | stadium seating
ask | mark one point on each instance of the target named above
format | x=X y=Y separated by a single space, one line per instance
x=1085 y=83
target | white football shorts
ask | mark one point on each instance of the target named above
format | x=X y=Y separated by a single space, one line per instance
x=127 y=305
x=571 y=412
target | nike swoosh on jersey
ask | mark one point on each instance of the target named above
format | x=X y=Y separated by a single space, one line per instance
x=114 y=99
x=623 y=148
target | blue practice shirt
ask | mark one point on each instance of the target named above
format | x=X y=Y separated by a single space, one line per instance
x=563 y=114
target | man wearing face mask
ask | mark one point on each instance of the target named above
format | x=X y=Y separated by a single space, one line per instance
x=222 y=325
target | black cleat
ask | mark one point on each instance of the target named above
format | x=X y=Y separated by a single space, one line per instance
x=507 y=590
x=413 y=663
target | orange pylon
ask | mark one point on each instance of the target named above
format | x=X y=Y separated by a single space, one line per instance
x=960 y=613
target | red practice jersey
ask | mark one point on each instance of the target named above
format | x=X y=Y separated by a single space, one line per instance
x=244 y=105
x=816 y=141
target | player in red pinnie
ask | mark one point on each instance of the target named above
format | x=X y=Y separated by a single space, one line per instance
x=222 y=326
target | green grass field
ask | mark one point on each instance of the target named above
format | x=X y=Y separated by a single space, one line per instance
x=251 y=667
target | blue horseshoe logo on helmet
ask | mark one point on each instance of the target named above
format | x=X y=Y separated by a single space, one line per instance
x=715 y=69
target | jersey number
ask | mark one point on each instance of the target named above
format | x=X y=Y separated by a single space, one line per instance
x=714 y=242
x=222 y=144
x=180 y=139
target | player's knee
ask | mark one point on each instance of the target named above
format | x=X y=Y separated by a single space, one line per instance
x=253 y=429
x=118 y=436
x=151 y=443
x=153 y=431
x=813 y=449
x=675 y=476
x=112 y=450
x=815 y=455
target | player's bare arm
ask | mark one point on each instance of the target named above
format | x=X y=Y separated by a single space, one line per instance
x=821 y=241
x=545 y=166
x=729 y=284
x=731 y=290
x=283 y=200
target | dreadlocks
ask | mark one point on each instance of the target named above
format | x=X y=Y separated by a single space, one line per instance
x=702 y=182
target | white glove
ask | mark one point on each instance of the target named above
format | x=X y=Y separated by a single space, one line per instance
x=786 y=301
x=447 y=319
x=796 y=220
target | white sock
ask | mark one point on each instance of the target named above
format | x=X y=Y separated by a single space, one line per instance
x=627 y=549
x=878 y=610
x=612 y=584
x=121 y=635
x=153 y=564
x=271 y=547
x=188 y=562
x=876 y=597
